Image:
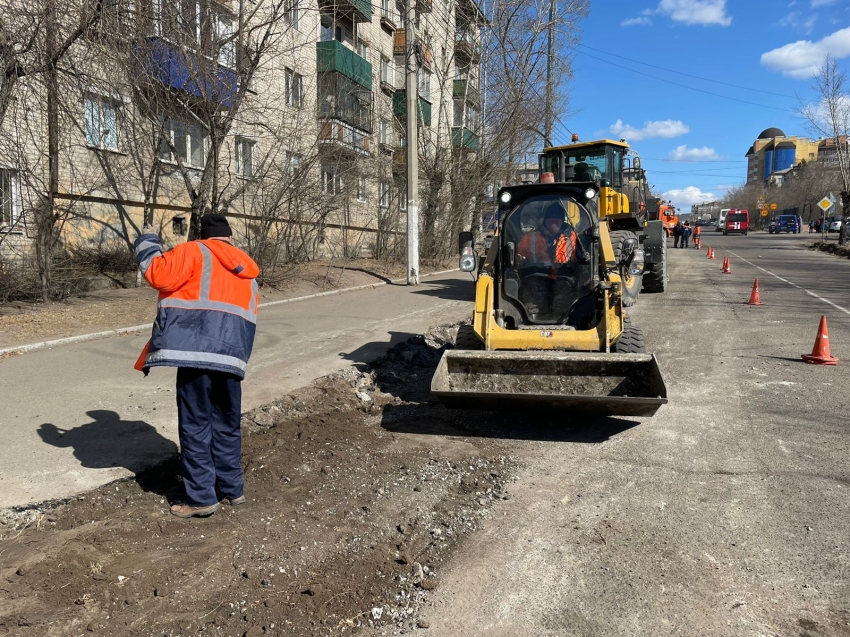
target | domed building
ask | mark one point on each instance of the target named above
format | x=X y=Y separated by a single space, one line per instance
x=773 y=154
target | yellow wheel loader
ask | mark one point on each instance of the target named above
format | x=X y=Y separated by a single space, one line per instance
x=548 y=325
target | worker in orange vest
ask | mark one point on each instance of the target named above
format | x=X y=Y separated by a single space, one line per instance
x=547 y=249
x=205 y=325
x=697 y=238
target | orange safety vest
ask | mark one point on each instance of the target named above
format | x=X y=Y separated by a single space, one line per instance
x=207 y=307
x=534 y=247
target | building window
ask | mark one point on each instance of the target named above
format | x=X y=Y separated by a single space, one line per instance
x=385 y=132
x=225 y=34
x=362 y=49
x=245 y=156
x=294 y=161
x=101 y=122
x=387 y=72
x=424 y=78
x=361 y=189
x=9 y=210
x=331 y=180
x=294 y=89
x=384 y=194
x=465 y=116
x=188 y=141
x=293 y=14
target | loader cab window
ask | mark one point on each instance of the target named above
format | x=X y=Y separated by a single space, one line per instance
x=549 y=280
x=602 y=164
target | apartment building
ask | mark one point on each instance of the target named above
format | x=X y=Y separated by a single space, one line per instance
x=292 y=120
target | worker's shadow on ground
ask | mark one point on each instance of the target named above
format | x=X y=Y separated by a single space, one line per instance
x=368 y=353
x=542 y=425
x=108 y=442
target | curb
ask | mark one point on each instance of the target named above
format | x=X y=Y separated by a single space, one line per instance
x=123 y=331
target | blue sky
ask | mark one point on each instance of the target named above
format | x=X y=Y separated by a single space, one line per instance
x=691 y=83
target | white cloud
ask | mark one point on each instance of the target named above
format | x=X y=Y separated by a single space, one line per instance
x=822 y=3
x=801 y=59
x=665 y=129
x=631 y=22
x=683 y=153
x=684 y=198
x=704 y=12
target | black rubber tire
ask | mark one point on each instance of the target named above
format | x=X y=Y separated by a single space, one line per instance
x=467 y=339
x=655 y=274
x=631 y=341
x=631 y=286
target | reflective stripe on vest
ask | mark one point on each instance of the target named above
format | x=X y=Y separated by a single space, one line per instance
x=183 y=356
x=205 y=303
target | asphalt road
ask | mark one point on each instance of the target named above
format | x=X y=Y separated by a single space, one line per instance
x=78 y=416
x=725 y=514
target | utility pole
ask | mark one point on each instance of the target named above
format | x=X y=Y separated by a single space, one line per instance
x=550 y=54
x=412 y=100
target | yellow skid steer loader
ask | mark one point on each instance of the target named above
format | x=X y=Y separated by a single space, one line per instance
x=548 y=325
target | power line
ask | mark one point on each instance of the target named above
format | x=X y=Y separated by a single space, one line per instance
x=696 y=77
x=659 y=79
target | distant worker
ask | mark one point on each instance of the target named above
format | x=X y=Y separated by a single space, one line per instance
x=698 y=237
x=811 y=226
x=205 y=324
x=677 y=234
x=686 y=234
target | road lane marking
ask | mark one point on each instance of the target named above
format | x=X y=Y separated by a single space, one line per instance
x=791 y=283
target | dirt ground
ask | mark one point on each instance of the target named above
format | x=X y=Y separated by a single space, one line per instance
x=350 y=513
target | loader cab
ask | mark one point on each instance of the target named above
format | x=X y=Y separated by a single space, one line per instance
x=548 y=258
x=600 y=162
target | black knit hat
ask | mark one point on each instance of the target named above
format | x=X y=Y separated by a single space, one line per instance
x=554 y=211
x=215 y=226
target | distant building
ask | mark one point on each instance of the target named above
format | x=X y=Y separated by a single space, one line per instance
x=772 y=154
x=828 y=150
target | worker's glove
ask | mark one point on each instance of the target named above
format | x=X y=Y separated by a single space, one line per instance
x=149 y=229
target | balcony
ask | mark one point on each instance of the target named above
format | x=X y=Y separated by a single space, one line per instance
x=463 y=89
x=400 y=43
x=400 y=108
x=192 y=73
x=337 y=136
x=359 y=10
x=465 y=139
x=334 y=56
x=391 y=18
x=467 y=45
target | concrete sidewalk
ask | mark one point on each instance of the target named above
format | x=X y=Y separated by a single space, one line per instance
x=78 y=416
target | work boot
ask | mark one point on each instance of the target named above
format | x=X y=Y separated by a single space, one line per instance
x=189 y=511
x=235 y=502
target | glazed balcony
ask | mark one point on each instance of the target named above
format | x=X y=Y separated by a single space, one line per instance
x=339 y=137
x=400 y=108
x=464 y=89
x=359 y=10
x=465 y=139
x=467 y=45
x=189 y=72
x=333 y=56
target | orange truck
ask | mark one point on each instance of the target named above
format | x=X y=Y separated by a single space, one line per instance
x=667 y=215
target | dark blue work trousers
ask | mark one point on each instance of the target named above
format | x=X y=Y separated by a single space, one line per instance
x=209 y=413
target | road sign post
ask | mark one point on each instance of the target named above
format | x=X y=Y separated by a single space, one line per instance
x=826 y=204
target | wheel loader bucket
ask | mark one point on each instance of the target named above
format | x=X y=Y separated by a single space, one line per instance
x=596 y=383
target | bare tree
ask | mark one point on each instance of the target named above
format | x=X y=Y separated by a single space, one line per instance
x=830 y=118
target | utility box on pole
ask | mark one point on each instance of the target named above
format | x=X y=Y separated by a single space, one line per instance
x=412 y=99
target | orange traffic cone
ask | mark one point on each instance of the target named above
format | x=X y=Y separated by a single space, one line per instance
x=712 y=254
x=708 y=252
x=754 y=297
x=727 y=267
x=820 y=352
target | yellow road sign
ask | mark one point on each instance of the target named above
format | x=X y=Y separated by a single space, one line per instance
x=764 y=212
x=825 y=204
x=773 y=206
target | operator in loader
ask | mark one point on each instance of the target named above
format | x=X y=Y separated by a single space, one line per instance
x=550 y=250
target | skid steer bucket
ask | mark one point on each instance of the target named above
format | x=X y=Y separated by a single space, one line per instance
x=598 y=383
